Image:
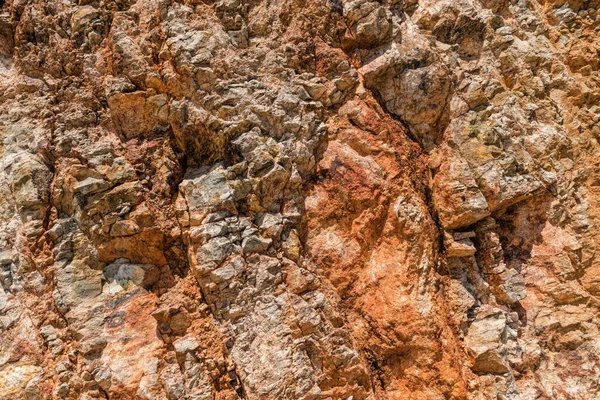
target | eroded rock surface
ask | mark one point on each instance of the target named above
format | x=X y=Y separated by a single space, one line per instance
x=342 y=199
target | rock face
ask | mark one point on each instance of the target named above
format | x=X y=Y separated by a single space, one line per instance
x=341 y=199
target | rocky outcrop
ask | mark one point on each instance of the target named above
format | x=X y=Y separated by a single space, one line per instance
x=299 y=200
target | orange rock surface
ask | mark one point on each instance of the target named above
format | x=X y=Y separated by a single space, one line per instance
x=263 y=200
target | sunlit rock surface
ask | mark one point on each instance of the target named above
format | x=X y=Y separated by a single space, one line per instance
x=332 y=199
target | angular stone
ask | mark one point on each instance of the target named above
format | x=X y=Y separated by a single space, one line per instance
x=456 y=196
x=125 y=274
x=124 y=228
x=458 y=248
x=212 y=189
x=255 y=244
x=83 y=17
x=485 y=338
x=185 y=345
x=223 y=274
x=369 y=22
x=90 y=186
x=134 y=114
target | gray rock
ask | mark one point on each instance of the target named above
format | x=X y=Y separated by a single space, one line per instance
x=90 y=186
x=255 y=244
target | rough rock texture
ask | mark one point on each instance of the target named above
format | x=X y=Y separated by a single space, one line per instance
x=284 y=199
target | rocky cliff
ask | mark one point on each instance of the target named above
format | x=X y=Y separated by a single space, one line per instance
x=299 y=199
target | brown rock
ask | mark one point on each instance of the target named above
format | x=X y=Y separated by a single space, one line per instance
x=342 y=199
